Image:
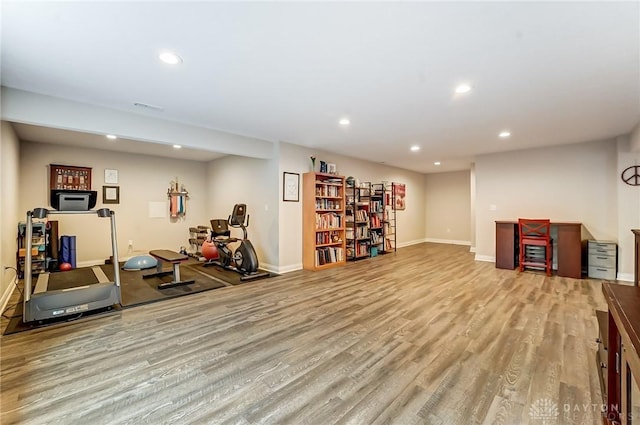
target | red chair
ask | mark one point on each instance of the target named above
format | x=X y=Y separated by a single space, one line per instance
x=536 y=234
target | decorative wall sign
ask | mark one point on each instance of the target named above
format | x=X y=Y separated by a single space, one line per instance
x=399 y=192
x=69 y=177
x=631 y=175
x=291 y=187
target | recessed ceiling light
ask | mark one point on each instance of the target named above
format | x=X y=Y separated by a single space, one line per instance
x=345 y=121
x=415 y=148
x=177 y=146
x=463 y=88
x=504 y=134
x=111 y=136
x=436 y=163
x=170 y=58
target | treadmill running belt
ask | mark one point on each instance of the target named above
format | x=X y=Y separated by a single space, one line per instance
x=71 y=279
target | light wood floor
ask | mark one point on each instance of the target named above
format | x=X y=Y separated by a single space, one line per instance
x=424 y=336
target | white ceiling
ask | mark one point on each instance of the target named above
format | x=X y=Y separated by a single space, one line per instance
x=550 y=72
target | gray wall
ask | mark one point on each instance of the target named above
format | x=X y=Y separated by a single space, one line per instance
x=238 y=180
x=578 y=182
x=9 y=188
x=448 y=207
x=142 y=179
x=296 y=159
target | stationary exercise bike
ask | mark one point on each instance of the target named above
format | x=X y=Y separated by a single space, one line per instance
x=243 y=259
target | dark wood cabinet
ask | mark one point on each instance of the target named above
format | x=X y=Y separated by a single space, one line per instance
x=506 y=245
x=602 y=355
x=622 y=372
x=636 y=273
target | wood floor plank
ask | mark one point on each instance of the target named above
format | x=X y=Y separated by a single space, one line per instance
x=423 y=336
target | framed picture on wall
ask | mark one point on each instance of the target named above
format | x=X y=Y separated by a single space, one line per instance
x=110 y=194
x=69 y=177
x=111 y=176
x=291 y=187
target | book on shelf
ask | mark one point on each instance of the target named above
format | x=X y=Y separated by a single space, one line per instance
x=361 y=215
x=375 y=221
x=333 y=180
x=328 y=255
x=329 y=220
x=323 y=238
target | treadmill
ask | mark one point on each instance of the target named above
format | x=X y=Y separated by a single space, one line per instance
x=43 y=303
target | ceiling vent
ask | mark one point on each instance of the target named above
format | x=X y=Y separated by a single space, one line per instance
x=147 y=106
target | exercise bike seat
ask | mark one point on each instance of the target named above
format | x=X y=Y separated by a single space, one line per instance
x=219 y=228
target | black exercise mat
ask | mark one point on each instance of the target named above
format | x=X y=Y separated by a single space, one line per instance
x=134 y=289
x=228 y=276
x=137 y=291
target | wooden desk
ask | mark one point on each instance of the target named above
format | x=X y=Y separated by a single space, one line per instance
x=568 y=246
x=623 y=363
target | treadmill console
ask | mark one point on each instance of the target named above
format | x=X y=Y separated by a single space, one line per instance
x=73 y=200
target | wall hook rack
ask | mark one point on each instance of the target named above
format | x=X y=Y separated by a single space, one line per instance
x=178 y=196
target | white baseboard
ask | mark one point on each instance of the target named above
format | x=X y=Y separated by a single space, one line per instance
x=487 y=258
x=472 y=249
x=409 y=243
x=625 y=277
x=6 y=295
x=281 y=269
x=90 y=263
x=448 y=241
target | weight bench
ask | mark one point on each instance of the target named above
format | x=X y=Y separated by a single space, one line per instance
x=165 y=255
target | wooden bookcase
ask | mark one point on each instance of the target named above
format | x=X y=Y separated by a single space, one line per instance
x=323 y=221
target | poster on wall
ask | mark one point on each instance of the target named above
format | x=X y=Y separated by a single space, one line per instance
x=399 y=194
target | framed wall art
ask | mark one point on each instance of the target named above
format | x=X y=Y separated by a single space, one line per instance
x=110 y=176
x=69 y=177
x=110 y=194
x=291 y=187
x=399 y=192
